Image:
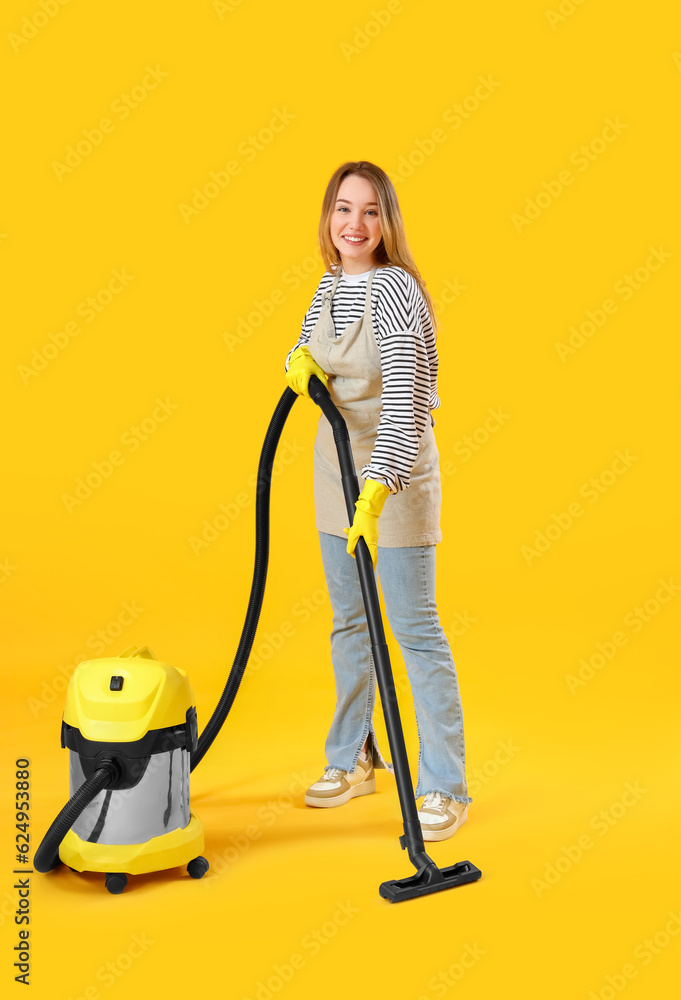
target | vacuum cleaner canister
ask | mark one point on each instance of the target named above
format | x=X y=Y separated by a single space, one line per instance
x=138 y=713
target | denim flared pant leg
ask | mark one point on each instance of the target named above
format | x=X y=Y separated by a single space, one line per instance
x=407 y=578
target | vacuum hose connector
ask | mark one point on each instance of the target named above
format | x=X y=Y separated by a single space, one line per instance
x=47 y=856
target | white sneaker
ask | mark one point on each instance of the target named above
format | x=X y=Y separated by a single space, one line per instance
x=336 y=787
x=440 y=816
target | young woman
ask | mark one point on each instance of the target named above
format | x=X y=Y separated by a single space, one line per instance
x=369 y=335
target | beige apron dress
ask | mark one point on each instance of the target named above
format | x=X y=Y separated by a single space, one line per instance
x=353 y=360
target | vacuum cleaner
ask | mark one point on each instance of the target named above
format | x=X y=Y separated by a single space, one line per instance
x=130 y=726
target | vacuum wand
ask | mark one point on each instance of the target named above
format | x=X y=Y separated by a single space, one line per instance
x=428 y=878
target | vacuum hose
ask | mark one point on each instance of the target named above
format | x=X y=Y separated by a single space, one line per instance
x=262 y=551
x=47 y=856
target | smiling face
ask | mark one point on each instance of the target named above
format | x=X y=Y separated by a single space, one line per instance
x=355 y=225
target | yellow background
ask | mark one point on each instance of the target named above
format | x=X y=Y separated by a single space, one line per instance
x=67 y=575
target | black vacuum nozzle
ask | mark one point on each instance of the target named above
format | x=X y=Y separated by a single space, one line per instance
x=426 y=880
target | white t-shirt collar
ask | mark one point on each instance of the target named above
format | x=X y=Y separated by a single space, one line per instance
x=354 y=279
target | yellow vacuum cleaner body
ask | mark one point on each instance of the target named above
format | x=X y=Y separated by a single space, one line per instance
x=139 y=713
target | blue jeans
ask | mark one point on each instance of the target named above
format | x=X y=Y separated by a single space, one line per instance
x=407 y=578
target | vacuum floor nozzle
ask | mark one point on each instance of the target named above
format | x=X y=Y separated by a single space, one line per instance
x=429 y=879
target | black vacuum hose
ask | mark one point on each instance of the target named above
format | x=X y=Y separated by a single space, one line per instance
x=262 y=549
x=47 y=856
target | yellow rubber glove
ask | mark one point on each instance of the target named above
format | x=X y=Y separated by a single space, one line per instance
x=369 y=506
x=300 y=367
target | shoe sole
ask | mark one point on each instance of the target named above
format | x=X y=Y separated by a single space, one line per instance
x=364 y=788
x=435 y=835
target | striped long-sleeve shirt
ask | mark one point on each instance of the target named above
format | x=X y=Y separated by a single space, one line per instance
x=409 y=362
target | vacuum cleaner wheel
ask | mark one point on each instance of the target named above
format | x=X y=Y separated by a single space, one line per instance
x=116 y=882
x=198 y=867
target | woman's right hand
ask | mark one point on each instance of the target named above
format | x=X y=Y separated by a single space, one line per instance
x=300 y=367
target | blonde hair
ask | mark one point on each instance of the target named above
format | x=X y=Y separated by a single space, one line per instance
x=393 y=247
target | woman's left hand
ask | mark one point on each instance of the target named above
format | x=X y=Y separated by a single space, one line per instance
x=368 y=509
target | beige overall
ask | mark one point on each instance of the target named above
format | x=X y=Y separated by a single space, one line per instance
x=353 y=360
